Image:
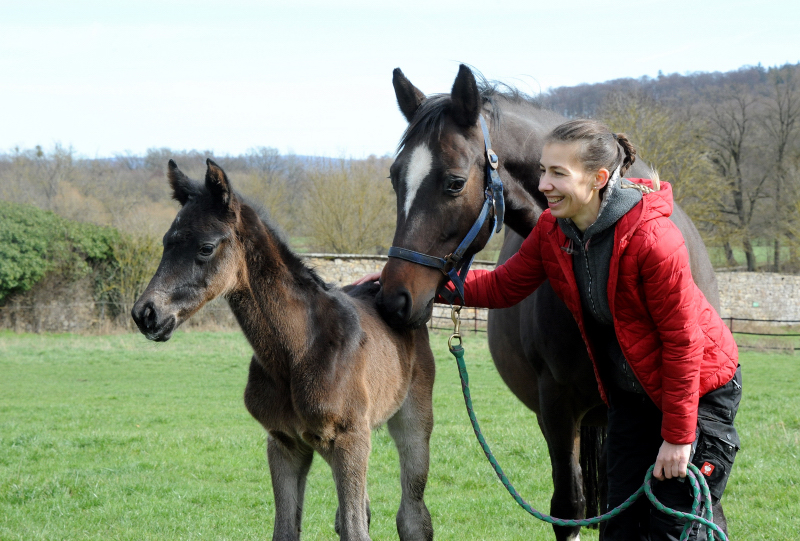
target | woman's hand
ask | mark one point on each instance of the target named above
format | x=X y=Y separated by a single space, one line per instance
x=672 y=460
x=372 y=277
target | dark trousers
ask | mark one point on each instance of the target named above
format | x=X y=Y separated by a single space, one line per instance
x=632 y=444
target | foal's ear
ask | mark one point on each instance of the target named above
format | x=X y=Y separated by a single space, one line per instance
x=217 y=183
x=465 y=99
x=409 y=97
x=182 y=186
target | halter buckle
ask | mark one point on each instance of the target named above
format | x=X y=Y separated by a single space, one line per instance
x=494 y=161
x=450 y=261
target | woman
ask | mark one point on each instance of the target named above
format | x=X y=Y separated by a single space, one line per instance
x=666 y=364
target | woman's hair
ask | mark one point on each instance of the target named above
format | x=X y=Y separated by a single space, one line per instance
x=599 y=146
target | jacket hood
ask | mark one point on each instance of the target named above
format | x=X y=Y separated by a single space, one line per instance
x=659 y=203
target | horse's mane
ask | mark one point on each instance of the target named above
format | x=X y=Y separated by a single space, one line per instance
x=428 y=121
x=295 y=265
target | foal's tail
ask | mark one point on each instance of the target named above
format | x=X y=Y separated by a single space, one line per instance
x=593 y=468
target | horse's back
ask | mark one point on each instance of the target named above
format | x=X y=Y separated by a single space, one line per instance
x=699 y=261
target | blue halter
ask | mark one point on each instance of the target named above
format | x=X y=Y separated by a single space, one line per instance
x=455 y=266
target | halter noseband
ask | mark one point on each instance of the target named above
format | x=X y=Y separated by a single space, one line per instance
x=455 y=266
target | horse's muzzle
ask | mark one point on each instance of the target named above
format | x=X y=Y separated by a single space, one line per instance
x=397 y=309
x=154 y=326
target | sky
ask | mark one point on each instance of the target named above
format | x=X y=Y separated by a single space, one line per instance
x=314 y=77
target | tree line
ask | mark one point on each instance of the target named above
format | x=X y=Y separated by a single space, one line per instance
x=728 y=142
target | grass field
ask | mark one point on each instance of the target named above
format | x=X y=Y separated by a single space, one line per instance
x=114 y=437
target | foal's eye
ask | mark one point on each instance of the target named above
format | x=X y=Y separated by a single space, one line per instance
x=206 y=250
x=454 y=185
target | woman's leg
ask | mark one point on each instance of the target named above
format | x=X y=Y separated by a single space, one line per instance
x=634 y=437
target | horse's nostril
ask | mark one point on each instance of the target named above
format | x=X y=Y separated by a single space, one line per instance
x=149 y=316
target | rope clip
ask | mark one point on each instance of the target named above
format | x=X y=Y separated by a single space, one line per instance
x=455 y=315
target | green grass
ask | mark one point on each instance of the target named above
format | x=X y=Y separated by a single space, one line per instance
x=114 y=437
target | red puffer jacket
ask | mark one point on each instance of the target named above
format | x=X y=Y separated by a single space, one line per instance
x=674 y=340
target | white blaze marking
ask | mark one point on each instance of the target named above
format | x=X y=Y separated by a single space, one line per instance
x=418 y=168
x=577 y=537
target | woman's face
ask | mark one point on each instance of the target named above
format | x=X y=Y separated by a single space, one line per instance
x=571 y=191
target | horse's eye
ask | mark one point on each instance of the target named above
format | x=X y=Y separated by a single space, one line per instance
x=455 y=185
x=206 y=250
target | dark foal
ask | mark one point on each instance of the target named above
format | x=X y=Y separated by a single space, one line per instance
x=326 y=369
x=438 y=177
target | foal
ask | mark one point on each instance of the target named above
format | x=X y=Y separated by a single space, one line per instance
x=326 y=369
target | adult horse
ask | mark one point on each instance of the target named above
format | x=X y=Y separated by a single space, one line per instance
x=326 y=369
x=438 y=177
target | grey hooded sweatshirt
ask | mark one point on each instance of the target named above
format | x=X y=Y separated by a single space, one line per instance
x=591 y=257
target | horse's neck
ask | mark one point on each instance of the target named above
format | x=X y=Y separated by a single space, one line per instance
x=271 y=303
x=518 y=143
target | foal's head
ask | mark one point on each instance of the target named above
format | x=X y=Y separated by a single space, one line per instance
x=202 y=254
x=438 y=177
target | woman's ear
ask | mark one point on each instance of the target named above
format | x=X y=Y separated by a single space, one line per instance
x=601 y=179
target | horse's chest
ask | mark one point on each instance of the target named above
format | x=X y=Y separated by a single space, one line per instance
x=269 y=399
x=298 y=404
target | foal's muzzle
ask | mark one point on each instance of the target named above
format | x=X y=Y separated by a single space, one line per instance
x=154 y=325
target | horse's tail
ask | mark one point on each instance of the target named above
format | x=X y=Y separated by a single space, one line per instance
x=593 y=468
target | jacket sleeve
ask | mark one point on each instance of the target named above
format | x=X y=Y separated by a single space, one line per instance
x=670 y=295
x=510 y=282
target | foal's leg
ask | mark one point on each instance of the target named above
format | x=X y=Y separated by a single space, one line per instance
x=411 y=430
x=289 y=463
x=561 y=428
x=349 y=458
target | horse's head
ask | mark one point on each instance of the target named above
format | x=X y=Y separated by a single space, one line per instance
x=439 y=179
x=201 y=254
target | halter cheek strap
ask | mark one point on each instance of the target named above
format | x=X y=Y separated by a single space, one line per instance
x=455 y=266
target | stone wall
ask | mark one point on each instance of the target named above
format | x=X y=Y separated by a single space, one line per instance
x=56 y=306
x=746 y=295
x=759 y=295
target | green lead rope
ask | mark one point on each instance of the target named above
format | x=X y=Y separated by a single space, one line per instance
x=702 y=497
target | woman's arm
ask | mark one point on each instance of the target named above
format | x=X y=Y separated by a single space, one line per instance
x=510 y=282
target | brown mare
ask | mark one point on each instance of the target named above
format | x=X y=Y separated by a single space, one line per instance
x=326 y=369
x=438 y=177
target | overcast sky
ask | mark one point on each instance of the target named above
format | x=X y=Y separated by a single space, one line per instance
x=314 y=78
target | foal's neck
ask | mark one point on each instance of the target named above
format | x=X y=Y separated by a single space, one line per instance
x=276 y=294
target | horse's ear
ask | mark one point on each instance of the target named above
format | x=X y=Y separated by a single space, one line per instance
x=465 y=99
x=217 y=183
x=409 y=97
x=182 y=187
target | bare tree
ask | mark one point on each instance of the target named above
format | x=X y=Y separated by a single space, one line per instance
x=349 y=206
x=669 y=141
x=781 y=121
x=730 y=126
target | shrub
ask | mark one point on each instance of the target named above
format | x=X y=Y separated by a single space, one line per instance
x=34 y=242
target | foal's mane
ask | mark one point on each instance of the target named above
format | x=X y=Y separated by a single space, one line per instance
x=428 y=121
x=295 y=265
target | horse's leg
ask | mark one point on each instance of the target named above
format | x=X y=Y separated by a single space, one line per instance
x=560 y=426
x=349 y=458
x=289 y=462
x=411 y=430
x=337 y=524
